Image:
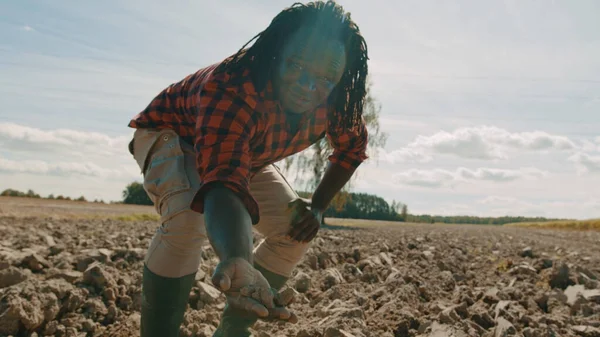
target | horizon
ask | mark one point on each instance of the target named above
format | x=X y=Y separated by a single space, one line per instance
x=491 y=109
x=62 y=198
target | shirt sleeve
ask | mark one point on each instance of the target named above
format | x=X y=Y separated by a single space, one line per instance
x=224 y=128
x=349 y=146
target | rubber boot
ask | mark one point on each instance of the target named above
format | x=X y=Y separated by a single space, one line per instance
x=235 y=323
x=164 y=301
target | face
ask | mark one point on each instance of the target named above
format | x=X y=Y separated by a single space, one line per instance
x=309 y=68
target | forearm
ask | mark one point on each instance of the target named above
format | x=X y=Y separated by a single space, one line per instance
x=333 y=181
x=228 y=224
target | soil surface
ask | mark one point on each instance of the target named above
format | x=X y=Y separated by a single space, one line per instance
x=69 y=276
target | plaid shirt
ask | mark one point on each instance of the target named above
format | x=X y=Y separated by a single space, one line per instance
x=237 y=131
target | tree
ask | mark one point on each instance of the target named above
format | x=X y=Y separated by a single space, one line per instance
x=12 y=193
x=32 y=194
x=310 y=165
x=134 y=193
x=404 y=213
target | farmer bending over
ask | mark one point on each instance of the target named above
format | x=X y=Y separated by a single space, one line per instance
x=206 y=147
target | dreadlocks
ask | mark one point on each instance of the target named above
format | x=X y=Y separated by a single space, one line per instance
x=329 y=18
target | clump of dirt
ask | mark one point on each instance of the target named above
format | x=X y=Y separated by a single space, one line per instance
x=82 y=277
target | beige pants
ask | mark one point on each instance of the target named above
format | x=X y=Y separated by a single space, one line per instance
x=171 y=181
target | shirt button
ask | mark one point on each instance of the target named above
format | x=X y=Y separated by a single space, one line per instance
x=165 y=138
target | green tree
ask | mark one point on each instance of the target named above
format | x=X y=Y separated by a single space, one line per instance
x=9 y=192
x=310 y=165
x=361 y=206
x=404 y=212
x=32 y=194
x=134 y=193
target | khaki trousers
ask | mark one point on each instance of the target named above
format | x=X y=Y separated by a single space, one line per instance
x=171 y=181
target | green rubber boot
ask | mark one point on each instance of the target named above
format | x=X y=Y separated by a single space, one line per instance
x=235 y=323
x=164 y=302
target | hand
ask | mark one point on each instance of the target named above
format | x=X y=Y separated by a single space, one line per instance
x=282 y=300
x=305 y=221
x=247 y=290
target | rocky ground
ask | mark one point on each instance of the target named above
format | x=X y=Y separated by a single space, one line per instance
x=82 y=277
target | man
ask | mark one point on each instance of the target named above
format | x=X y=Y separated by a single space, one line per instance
x=206 y=147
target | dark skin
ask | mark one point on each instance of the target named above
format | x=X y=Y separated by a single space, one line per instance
x=244 y=287
x=309 y=69
x=222 y=221
x=307 y=217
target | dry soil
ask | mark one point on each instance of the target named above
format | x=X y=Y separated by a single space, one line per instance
x=65 y=274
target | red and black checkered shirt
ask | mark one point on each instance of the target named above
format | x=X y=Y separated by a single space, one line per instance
x=237 y=131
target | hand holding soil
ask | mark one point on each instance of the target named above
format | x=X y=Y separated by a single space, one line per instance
x=247 y=289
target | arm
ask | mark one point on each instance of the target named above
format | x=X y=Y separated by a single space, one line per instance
x=224 y=128
x=223 y=131
x=334 y=179
x=228 y=224
x=349 y=152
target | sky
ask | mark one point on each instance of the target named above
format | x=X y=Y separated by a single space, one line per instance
x=491 y=108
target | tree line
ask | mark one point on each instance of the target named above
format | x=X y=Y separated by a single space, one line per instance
x=372 y=207
x=31 y=194
x=355 y=206
x=364 y=206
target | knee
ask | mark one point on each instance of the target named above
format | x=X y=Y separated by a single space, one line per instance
x=175 y=249
x=184 y=231
x=279 y=254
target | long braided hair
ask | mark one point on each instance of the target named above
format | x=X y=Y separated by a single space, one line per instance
x=329 y=19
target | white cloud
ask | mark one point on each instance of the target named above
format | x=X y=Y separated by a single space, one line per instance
x=404 y=155
x=63 y=153
x=17 y=137
x=28 y=28
x=590 y=146
x=586 y=163
x=500 y=175
x=481 y=142
x=64 y=169
x=425 y=178
x=436 y=178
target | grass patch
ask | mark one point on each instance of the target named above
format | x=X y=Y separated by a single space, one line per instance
x=578 y=225
x=137 y=217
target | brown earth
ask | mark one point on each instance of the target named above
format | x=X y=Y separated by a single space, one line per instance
x=64 y=274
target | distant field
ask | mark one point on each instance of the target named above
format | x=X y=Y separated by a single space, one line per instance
x=48 y=208
x=582 y=225
x=579 y=225
x=360 y=223
x=30 y=207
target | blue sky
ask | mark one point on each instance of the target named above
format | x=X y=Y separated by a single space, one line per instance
x=492 y=107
